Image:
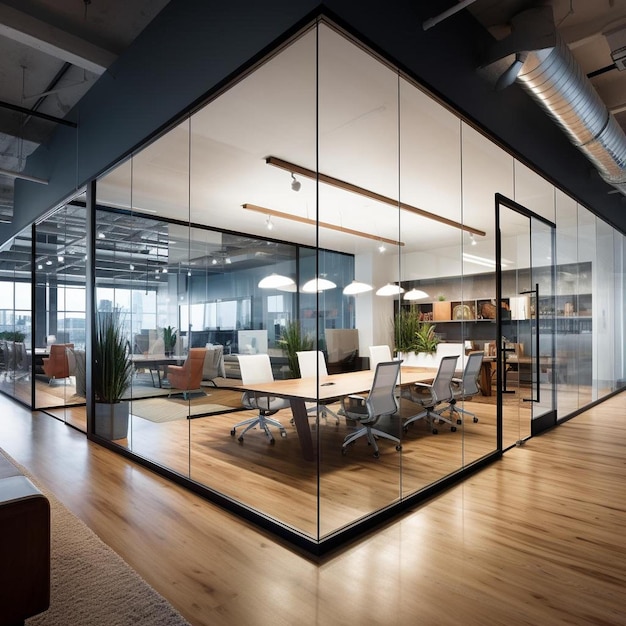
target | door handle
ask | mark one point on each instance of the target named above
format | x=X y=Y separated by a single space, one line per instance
x=535 y=319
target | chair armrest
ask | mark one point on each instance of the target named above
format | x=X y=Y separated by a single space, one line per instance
x=174 y=368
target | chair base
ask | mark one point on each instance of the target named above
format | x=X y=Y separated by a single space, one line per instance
x=431 y=417
x=461 y=411
x=371 y=434
x=263 y=422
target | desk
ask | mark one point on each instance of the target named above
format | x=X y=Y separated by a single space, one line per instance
x=302 y=390
x=156 y=362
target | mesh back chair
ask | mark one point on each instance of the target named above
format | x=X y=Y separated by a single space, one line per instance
x=310 y=363
x=379 y=354
x=466 y=387
x=257 y=368
x=430 y=396
x=380 y=402
x=22 y=361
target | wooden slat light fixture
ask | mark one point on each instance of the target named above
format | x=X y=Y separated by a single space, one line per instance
x=342 y=184
x=306 y=220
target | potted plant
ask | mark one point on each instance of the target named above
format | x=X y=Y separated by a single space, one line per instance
x=112 y=371
x=169 y=340
x=425 y=338
x=441 y=309
x=292 y=341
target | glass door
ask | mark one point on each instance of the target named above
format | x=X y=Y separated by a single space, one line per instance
x=525 y=321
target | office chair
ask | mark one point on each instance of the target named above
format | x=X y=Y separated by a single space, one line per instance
x=257 y=368
x=466 y=387
x=56 y=365
x=188 y=376
x=312 y=362
x=380 y=402
x=430 y=396
x=379 y=354
x=213 y=364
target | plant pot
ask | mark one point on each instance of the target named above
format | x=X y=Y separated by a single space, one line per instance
x=419 y=359
x=111 y=420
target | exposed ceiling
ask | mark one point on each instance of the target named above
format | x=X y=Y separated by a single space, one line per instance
x=87 y=37
x=51 y=53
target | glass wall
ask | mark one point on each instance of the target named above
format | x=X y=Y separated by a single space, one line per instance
x=324 y=203
x=59 y=330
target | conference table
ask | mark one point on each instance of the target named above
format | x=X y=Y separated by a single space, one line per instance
x=325 y=390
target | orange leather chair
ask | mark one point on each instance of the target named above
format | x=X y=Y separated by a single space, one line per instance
x=56 y=365
x=187 y=377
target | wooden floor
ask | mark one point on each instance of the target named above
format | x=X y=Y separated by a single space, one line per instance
x=537 y=538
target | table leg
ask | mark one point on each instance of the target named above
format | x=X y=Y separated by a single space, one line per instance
x=301 y=420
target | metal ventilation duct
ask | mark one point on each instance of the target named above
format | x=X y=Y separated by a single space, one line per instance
x=552 y=76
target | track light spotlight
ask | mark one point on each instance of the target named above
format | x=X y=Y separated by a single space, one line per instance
x=295 y=183
x=268 y=222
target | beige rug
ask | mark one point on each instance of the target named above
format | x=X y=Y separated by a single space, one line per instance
x=161 y=410
x=91 y=585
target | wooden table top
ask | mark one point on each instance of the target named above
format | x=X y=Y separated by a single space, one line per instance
x=335 y=386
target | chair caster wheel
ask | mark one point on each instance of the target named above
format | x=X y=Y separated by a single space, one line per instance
x=240 y=439
x=283 y=434
x=272 y=441
x=376 y=455
x=398 y=448
x=453 y=429
x=435 y=431
x=459 y=421
x=475 y=420
x=232 y=432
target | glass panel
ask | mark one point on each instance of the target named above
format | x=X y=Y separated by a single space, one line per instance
x=587 y=357
x=60 y=251
x=16 y=318
x=516 y=311
x=543 y=371
x=573 y=320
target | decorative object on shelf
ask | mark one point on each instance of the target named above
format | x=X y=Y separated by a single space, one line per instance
x=292 y=341
x=462 y=312
x=112 y=371
x=488 y=311
x=441 y=310
x=169 y=340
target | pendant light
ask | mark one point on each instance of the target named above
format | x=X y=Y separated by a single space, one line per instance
x=275 y=281
x=390 y=289
x=415 y=294
x=356 y=287
x=318 y=284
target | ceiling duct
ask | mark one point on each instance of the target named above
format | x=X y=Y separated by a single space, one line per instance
x=537 y=58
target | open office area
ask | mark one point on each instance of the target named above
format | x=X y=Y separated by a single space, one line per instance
x=319 y=270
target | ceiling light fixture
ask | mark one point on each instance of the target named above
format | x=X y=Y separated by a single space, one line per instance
x=306 y=220
x=342 y=184
x=295 y=183
x=101 y=235
x=390 y=289
x=48 y=262
x=268 y=223
x=318 y=284
x=275 y=281
x=479 y=260
x=415 y=294
x=382 y=248
x=60 y=258
x=356 y=287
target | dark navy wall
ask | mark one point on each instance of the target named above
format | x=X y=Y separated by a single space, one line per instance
x=194 y=45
